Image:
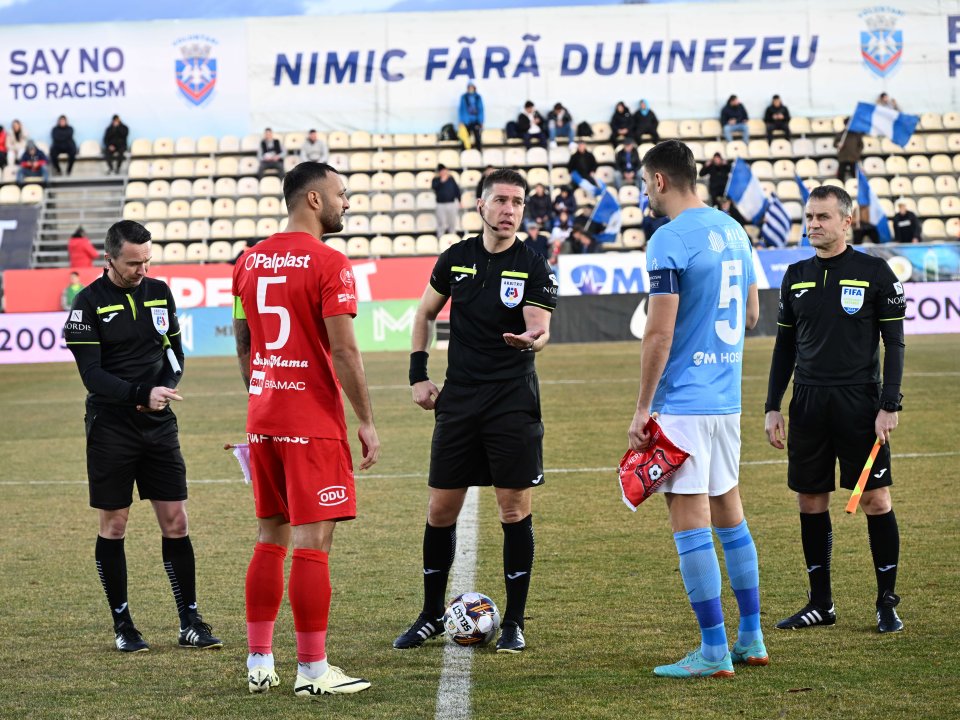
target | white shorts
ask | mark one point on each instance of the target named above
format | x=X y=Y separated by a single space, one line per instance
x=713 y=442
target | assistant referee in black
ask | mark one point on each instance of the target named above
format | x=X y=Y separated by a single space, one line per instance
x=834 y=308
x=119 y=330
x=488 y=427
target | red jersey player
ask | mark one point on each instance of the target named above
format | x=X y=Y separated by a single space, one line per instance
x=294 y=305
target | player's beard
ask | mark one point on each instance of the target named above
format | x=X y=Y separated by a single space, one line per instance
x=332 y=222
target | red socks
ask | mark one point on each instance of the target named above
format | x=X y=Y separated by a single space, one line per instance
x=264 y=592
x=309 y=592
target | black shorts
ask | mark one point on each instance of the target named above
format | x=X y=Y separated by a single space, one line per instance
x=126 y=447
x=489 y=434
x=829 y=424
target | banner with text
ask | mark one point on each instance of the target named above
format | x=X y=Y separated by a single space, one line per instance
x=394 y=72
x=209 y=285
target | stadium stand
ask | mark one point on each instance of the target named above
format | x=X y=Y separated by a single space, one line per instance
x=199 y=194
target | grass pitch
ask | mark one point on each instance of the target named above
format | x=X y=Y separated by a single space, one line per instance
x=606 y=604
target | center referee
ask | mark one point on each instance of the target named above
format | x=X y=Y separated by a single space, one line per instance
x=123 y=333
x=488 y=427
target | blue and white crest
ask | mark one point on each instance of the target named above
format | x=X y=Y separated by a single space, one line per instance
x=881 y=45
x=161 y=320
x=196 y=69
x=851 y=299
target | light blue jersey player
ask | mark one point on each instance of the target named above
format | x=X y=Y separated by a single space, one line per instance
x=705 y=257
x=703 y=297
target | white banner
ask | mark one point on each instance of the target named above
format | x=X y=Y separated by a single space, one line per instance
x=163 y=79
x=405 y=72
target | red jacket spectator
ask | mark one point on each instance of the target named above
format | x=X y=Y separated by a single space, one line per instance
x=81 y=251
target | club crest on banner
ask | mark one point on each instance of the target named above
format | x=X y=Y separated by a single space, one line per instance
x=881 y=44
x=851 y=299
x=196 y=68
x=161 y=321
x=511 y=292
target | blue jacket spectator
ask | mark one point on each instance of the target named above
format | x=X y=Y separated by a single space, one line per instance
x=471 y=112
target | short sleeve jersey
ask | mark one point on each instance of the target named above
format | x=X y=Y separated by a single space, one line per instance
x=488 y=293
x=835 y=306
x=285 y=286
x=129 y=327
x=712 y=259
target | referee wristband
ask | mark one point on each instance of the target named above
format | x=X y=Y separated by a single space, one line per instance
x=418 y=366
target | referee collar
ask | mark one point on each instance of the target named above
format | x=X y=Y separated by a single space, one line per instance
x=836 y=259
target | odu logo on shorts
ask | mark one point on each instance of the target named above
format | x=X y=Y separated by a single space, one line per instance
x=332 y=495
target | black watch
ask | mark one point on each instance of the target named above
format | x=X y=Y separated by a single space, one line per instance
x=891 y=406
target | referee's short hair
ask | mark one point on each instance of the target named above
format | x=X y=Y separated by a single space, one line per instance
x=125 y=231
x=301 y=178
x=674 y=160
x=844 y=201
x=504 y=176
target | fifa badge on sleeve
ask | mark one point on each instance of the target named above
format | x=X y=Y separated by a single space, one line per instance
x=641 y=473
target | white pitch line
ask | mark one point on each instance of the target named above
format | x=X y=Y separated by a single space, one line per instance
x=397 y=476
x=453 y=692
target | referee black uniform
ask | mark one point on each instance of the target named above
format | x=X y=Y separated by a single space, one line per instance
x=120 y=352
x=122 y=330
x=833 y=313
x=488 y=425
x=488 y=429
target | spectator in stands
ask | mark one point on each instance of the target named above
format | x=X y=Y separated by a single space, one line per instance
x=583 y=162
x=733 y=118
x=115 y=144
x=717 y=170
x=3 y=150
x=849 y=149
x=448 y=201
x=314 y=149
x=560 y=123
x=562 y=225
x=539 y=207
x=777 y=118
x=886 y=101
x=33 y=165
x=16 y=141
x=270 y=154
x=565 y=200
x=486 y=171
x=63 y=144
x=471 y=113
x=621 y=124
x=627 y=164
x=863 y=229
x=650 y=223
x=906 y=225
x=580 y=241
x=645 y=123
x=80 y=250
x=539 y=241
x=70 y=291
x=531 y=126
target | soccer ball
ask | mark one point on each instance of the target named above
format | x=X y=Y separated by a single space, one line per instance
x=471 y=619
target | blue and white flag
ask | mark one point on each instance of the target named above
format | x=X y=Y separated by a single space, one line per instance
x=605 y=220
x=745 y=191
x=867 y=198
x=776 y=224
x=880 y=120
x=804 y=196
